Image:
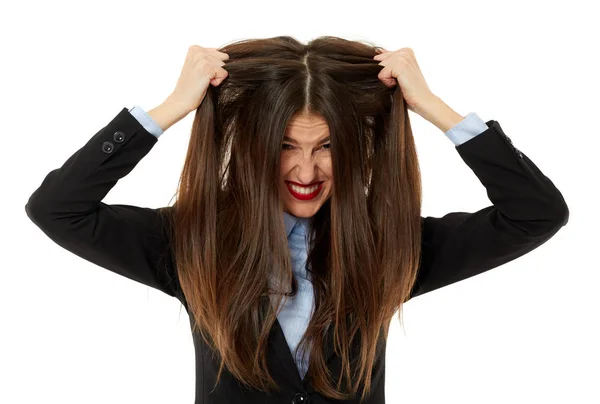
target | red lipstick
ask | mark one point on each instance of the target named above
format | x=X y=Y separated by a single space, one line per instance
x=304 y=197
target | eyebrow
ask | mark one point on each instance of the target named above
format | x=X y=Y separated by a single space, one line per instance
x=289 y=139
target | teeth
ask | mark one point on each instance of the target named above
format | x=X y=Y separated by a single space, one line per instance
x=304 y=191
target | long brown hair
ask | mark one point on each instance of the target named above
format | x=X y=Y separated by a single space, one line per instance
x=228 y=234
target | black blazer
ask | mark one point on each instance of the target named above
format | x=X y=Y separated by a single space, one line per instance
x=129 y=240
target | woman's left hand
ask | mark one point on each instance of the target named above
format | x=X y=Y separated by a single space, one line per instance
x=402 y=66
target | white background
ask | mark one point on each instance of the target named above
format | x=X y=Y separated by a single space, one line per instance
x=525 y=332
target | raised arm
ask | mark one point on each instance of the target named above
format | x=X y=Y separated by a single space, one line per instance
x=527 y=211
x=129 y=240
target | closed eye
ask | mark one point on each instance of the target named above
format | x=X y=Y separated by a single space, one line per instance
x=286 y=146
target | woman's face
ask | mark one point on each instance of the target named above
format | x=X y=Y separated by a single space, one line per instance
x=306 y=163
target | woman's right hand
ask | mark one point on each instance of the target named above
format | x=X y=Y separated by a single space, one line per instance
x=201 y=67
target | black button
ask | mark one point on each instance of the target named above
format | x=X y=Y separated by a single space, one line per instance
x=507 y=138
x=118 y=136
x=300 y=398
x=107 y=147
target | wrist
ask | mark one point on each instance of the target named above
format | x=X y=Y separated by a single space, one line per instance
x=168 y=113
x=177 y=106
x=440 y=114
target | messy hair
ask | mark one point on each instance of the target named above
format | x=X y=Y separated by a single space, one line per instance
x=228 y=231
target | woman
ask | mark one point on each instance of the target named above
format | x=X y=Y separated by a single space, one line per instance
x=296 y=234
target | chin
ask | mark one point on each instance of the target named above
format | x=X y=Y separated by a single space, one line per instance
x=301 y=212
x=300 y=209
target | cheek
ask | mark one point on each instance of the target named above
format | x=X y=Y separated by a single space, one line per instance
x=284 y=170
x=285 y=162
x=327 y=167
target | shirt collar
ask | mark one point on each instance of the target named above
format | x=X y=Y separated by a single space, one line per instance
x=290 y=222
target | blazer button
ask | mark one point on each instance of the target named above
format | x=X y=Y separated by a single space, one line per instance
x=507 y=138
x=300 y=398
x=107 y=147
x=119 y=136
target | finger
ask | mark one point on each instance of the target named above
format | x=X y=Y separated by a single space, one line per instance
x=383 y=56
x=217 y=53
x=217 y=59
x=386 y=77
x=220 y=75
x=218 y=72
x=221 y=55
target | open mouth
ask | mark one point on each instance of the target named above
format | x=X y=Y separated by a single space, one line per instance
x=304 y=193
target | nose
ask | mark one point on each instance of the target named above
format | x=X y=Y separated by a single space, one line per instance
x=307 y=170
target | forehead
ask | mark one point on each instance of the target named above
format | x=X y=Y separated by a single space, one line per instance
x=307 y=128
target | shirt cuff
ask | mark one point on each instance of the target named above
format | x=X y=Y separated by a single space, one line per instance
x=471 y=126
x=147 y=122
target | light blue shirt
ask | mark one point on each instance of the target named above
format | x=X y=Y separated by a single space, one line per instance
x=296 y=312
x=298 y=309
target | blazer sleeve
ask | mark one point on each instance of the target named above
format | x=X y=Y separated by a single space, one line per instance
x=527 y=211
x=131 y=241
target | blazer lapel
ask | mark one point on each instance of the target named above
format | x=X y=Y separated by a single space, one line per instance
x=281 y=349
